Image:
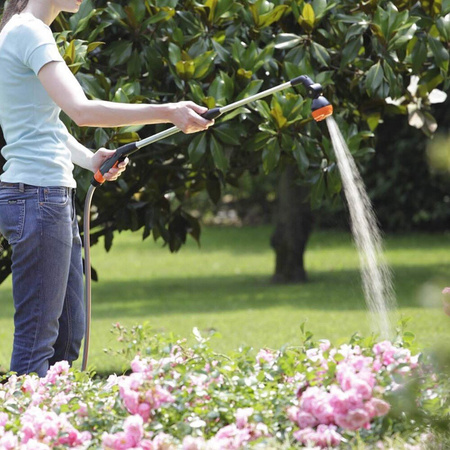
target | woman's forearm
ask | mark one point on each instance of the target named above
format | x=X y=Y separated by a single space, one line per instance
x=67 y=93
x=87 y=159
x=99 y=113
x=81 y=155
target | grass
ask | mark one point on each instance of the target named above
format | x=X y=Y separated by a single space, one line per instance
x=225 y=286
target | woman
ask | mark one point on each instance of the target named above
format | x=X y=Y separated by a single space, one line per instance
x=37 y=213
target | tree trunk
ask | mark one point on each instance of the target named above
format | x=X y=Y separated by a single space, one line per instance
x=293 y=227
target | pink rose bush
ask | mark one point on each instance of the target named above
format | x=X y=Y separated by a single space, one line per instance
x=190 y=398
x=350 y=400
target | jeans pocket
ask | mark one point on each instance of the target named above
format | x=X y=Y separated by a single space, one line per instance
x=12 y=219
x=56 y=196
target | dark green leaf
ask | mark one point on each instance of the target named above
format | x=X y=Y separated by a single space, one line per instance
x=226 y=133
x=374 y=77
x=440 y=53
x=197 y=148
x=320 y=54
x=220 y=160
x=271 y=155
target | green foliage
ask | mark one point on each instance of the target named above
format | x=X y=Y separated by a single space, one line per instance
x=217 y=51
x=412 y=170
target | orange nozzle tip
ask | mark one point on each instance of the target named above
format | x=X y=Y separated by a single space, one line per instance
x=322 y=113
x=99 y=178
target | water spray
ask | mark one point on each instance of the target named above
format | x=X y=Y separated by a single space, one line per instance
x=321 y=108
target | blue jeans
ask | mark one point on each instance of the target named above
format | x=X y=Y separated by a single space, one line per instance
x=41 y=226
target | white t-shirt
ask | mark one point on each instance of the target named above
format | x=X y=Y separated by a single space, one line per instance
x=36 y=151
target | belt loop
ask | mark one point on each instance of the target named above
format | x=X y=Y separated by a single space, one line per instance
x=74 y=212
x=21 y=187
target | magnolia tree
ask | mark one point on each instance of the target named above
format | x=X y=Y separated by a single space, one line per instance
x=365 y=55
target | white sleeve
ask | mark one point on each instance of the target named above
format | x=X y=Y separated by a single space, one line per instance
x=38 y=46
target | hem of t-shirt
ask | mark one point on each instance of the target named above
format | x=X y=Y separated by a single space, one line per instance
x=39 y=183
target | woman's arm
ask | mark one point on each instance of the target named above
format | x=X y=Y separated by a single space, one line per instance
x=66 y=92
x=83 y=157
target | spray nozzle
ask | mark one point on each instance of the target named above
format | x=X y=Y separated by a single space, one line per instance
x=321 y=108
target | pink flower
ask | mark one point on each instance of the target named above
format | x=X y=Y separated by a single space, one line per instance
x=193 y=443
x=157 y=396
x=265 y=355
x=30 y=384
x=292 y=412
x=362 y=388
x=306 y=436
x=117 y=441
x=61 y=399
x=82 y=410
x=113 y=380
x=226 y=432
x=131 y=399
x=8 y=441
x=242 y=415
x=324 y=345
x=139 y=365
x=323 y=411
x=3 y=419
x=386 y=350
x=28 y=431
x=316 y=401
x=231 y=437
x=33 y=444
x=381 y=407
x=377 y=365
x=306 y=420
x=144 y=411
x=73 y=438
x=147 y=444
x=313 y=354
x=134 y=429
x=59 y=369
x=50 y=429
x=325 y=436
x=309 y=397
x=353 y=420
x=163 y=442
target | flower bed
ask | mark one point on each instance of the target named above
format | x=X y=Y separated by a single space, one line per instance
x=176 y=396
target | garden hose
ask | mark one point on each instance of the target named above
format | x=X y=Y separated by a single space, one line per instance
x=320 y=107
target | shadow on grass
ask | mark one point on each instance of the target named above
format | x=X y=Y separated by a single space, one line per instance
x=327 y=291
x=238 y=241
x=256 y=240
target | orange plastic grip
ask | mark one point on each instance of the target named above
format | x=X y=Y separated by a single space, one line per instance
x=120 y=154
x=99 y=178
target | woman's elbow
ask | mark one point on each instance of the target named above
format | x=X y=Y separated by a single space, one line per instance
x=81 y=114
x=80 y=118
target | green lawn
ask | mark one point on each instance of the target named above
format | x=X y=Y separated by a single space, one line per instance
x=225 y=285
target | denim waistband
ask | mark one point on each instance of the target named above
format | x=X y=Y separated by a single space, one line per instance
x=22 y=187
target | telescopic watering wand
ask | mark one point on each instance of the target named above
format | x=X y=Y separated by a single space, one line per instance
x=321 y=108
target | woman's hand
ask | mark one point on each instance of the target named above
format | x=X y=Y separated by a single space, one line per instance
x=187 y=117
x=100 y=156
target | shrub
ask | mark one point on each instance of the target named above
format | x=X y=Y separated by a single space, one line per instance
x=177 y=396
